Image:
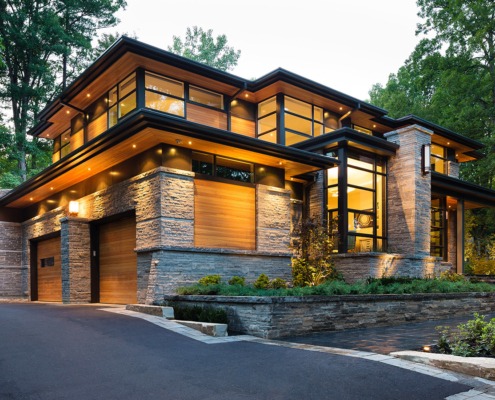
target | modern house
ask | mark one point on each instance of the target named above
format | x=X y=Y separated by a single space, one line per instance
x=165 y=170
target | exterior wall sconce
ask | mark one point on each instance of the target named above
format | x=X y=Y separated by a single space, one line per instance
x=73 y=208
x=426 y=159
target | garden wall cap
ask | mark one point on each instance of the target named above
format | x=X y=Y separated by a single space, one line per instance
x=482 y=367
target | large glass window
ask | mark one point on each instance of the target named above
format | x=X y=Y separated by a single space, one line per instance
x=361 y=212
x=302 y=120
x=438 y=158
x=267 y=120
x=438 y=224
x=222 y=167
x=121 y=99
x=205 y=97
x=164 y=94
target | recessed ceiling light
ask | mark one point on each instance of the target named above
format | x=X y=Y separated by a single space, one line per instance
x=189 y=142
x=51 y=188
x=134 y=146
x=68 y=111
x=89 y=169
x=88 y=95
x=31 y=198
x=374 y=126
x=340 y=108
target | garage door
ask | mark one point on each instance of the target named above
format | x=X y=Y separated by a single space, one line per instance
x=118 y=262
x=49 y=270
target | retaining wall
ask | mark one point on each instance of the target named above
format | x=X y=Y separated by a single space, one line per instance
x=274 y=317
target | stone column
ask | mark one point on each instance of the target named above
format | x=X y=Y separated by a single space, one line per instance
x=409 y=193
x=76 y=260
x=11 y=271
x=273 y=219
x=316 y=207
x=453 y=169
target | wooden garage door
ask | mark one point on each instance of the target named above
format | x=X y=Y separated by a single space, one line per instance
x=118 y=262
x=49 y=270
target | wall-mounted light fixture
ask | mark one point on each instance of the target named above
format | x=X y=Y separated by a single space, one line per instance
x=74 y=208
x=426 y=159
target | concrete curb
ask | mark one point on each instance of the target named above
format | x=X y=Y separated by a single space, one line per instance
x=476 y=366
x=166 y=312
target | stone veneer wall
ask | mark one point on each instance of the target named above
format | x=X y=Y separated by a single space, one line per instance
x=274 y=317
x=163 y=202
x=316 y=206
x=11 y=270
x=358 y=266
x=409 y=193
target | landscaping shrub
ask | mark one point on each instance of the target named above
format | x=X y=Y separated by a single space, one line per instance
x=263 y=282
x=237 y=280
x=330 y=288
x=200 y=314
x=278 y=283
x=312 y=263
x=210 y=280
x=481 y=266
x=475 y=338
x=452 y=276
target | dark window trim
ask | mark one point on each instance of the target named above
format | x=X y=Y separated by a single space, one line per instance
x=253 y=177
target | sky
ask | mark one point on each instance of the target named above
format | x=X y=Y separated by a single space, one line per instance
x=347 y=45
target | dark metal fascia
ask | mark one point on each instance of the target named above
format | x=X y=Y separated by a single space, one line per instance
x=462 y=189
x=352 y=136
x=281 y=74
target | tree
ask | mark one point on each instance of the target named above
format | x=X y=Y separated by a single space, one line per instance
x=41 y=39
x=450 y=79
x=201 y=46
x=107 y=39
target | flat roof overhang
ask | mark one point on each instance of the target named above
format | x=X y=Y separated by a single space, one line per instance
x=351 y=138
x=143 y=129
x=474 y=194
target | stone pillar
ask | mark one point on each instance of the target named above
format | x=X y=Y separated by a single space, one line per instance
x=165 y=212
x=316 y=207
x=453 y=169
x=409 y=193
x=273 y=219
x=11 y=271
x=76 y=260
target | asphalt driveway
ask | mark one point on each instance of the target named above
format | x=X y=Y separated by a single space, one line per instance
x=51 y=352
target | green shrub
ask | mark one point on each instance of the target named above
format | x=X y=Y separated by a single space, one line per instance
x=312 y=263
x=481 y=266
x=278 y=283
x=452 y=276
x=475 y=338
x=263 y=282
x=237 y=280
x=200 y=314
x=210 y=280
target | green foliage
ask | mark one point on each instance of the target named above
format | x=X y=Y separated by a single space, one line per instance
x=46 y=43
x=210 y=280
x=106 y=40
x=278 y=283
x=452 y=276
x=481 y=266
x=396 y=285
x=474 y=338
x=449 y=79
x=312 y=262
x=200 y=45
x=263 y=282
x=201 y=314
x=237 y=280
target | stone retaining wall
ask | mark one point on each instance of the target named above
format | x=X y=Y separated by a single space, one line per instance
x=274 y=317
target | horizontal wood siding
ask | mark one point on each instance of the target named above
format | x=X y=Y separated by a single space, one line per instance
x=206 y=116
x=49 y=277
x=97 y=126
x=225 y=215
x=118 y=262
x=243 y=126
x=77 y=140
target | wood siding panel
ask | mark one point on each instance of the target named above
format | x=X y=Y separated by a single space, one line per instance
x=49 y=277
x=225 y=215
x=118 y=262
x=77 y=140
x=243 y=126
x=97 y=126
x=206 y=116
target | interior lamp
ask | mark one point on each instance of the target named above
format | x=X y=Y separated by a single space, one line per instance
x=426 y=159
x=73 y=208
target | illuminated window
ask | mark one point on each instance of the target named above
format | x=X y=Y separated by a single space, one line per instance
x=164 y=94
x=361 y=212
x=267 y=120
x=205 y=97
x=362 y=130
x=438 y=226
x=438 y=158
x=121 y=99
